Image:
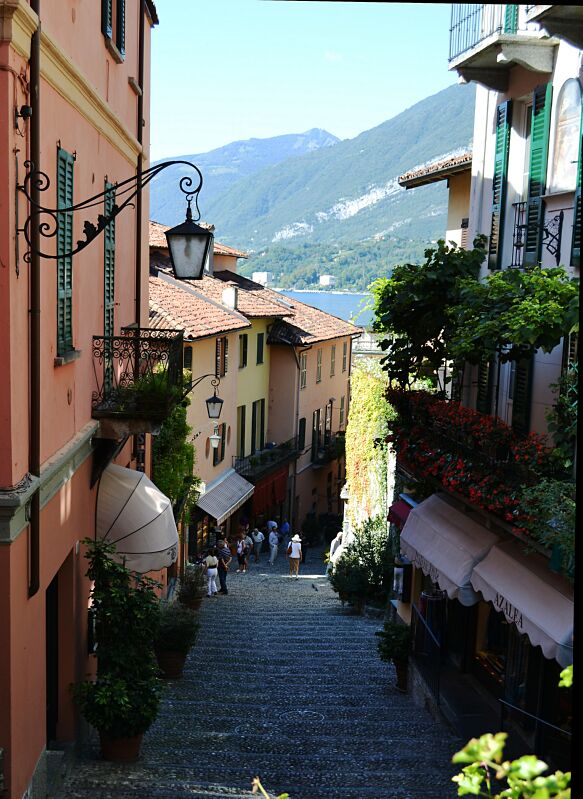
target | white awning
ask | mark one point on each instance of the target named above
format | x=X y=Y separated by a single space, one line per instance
x=446 y=545
x=137 y=517
x=537 y=601
x=223 y=498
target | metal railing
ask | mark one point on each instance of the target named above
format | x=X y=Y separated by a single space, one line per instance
x=426 y=651
x=472 y=23
x=518 y=235
x=137 y=374
x=534 y=724
x=263 y=462
x=328 y=449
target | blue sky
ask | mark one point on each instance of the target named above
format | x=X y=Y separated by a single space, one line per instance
x=224 y=70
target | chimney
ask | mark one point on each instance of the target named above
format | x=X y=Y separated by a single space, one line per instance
x=230 y=297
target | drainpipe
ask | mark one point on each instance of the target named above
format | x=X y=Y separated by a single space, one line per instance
x=140 y=161
x=35 y=308
x=297 y=419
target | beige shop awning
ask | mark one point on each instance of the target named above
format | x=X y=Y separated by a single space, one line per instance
x=226 y=495
x=445 y=544
x=137 y=517
x=537 y=601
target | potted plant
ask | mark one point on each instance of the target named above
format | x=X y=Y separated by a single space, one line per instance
x=122 y=700
x=192 y=586
x=395 y=645
x=177 y=630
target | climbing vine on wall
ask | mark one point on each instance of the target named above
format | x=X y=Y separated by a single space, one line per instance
x=366 y=449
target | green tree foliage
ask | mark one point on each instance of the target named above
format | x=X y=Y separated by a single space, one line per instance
x=366 y=431
x=173 y=461
x=513 y=313
x=415 y=307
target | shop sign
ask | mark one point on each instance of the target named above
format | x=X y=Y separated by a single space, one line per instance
x=513 y=614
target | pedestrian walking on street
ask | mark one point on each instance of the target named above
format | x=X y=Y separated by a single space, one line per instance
x=284 y=532
x=294 y=554
x=224 y=557
x=258 y=539
x=250 y=544
x=242 y=553
x=273 y=545
x=211 y=565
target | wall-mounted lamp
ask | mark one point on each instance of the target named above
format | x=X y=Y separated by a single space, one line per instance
x=214 y=404
x=215 y=438
x=189 y=244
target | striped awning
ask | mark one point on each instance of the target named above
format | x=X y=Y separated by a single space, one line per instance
x=223 y=498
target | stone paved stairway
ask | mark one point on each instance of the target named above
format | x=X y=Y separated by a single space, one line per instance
x=285 y=684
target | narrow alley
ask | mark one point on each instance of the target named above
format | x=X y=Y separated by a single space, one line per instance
x=283 y=684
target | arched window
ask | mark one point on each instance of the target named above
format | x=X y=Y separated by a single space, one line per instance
x=566 y=139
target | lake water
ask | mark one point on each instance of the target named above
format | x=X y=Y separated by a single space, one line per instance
x=345 y=304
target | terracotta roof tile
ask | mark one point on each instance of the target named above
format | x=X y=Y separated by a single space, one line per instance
x=303 y=324
x=438 y=170
x=158 y=239
x=177 y=306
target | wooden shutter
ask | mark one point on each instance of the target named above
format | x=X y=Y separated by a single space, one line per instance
x=522 y=396
x=242 y=420
x=261 y=424
x=485 y=387
x=107 y=18
x=511 y=19
x=253 y=428
x=570 y=344
x=537 y=175
x=499 y=181
x=108 y=287
x=302 y=434
x=576 y=240
x=65 y=163
x=120 y=34
x=225 y=355
x=218 y=357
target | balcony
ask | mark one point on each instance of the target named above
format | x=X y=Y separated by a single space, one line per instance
x=256 y=466
x=138 y=380
x=518 y=234
x=328 y=450
x=487 y=41
x=565 y=22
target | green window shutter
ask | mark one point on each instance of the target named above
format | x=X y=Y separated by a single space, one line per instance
x=107 y=18
x=522 y=396
x=485 y=387
x=570 y=347
x=302 y=434
x=539 y=150
x=576 y=240
x=262 y=424
x=499 y=181
x=254 y=428
x=120 y=34
x=65 y=164
x=225 y=355
x=511 y=19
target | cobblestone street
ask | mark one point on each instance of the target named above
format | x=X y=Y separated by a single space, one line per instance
x=285 y=684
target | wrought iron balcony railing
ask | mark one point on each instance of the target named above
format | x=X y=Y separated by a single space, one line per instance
x=518 y=236
x=138 y=375
x=260 y=463
x=473 y=23
x=328 y=450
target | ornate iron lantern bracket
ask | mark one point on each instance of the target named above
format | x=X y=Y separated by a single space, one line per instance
x=46 y=220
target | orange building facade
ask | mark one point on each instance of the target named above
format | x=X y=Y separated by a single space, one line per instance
x=74 y=91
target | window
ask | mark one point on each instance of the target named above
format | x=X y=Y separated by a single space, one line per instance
x=65 y=164
x=319 y=366
x=243 y=350
x=222 y=356
x=187 y=360
x=258 y=426
x=219 y=452
x=344 y=355
x=328 y=423
x=302 y=434
x=260 y=337
x=333 y=360
x=499 y=183
x=341 y=412
x=315 y=433
x=566 y=139
x=113 y=22
x=303 y=369
x=537 y=177
x=241 y=418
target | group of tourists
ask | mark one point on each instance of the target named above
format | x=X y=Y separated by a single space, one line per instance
x=247 y=544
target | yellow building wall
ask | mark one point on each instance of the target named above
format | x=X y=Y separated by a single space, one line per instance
x=253 y=379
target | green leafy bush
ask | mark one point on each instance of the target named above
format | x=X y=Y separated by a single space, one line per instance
x=395 y=641
x=177 y=628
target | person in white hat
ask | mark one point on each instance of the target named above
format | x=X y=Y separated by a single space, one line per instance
x=294 y=553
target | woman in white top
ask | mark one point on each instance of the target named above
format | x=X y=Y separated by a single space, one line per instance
x=211 y=563
x=294 y=553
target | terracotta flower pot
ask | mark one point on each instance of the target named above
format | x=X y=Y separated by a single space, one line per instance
x=171 y=663
x=120 y=750
x=193 y=604
x=401 y=669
